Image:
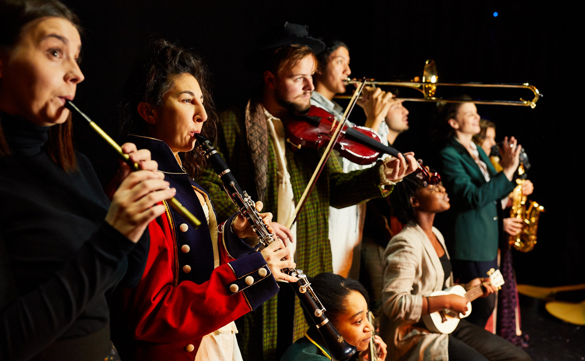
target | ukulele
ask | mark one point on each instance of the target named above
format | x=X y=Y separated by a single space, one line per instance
x=445 y=321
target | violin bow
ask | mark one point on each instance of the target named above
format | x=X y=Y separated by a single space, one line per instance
x=326 y=154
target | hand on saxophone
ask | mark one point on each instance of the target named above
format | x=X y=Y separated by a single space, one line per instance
x=513 y=226
x=527 y=187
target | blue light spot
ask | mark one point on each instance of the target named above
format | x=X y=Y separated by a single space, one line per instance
x=495 y=14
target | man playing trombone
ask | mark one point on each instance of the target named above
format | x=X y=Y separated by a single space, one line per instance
x=346 y=224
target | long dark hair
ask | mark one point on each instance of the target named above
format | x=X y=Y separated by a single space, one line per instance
x=14 y=16
x=400 y=198
x=152 y=79
x=332 y=290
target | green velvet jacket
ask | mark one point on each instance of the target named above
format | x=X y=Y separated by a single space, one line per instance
x=473 y=224
x=313 y=253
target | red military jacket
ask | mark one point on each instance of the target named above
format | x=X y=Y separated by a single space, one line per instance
x=181 y=297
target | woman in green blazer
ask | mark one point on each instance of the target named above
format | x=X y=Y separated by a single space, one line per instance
x=472 y=227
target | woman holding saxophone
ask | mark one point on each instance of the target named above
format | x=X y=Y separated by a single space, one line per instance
x=508 y=321
x=196 y=281
x=486 y=139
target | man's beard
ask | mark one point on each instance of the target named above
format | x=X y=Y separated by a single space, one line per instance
x=291 y=106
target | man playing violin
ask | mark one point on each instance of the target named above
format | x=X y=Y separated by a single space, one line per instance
x=253 y=142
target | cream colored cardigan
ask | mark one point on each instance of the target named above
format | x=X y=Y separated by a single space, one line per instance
x=412 y=270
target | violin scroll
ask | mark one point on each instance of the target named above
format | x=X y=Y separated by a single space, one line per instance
x=430 y=178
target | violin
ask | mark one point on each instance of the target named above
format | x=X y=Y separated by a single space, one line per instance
x=358 y=144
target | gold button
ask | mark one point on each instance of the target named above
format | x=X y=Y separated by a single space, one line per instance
x=234 y=288
x=184 y=227
x=249 y=280
x=185 y=248
x=186 y=268
x=190 y=348
x=262 y=272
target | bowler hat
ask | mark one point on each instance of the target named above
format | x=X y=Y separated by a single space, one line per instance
x=289 y=34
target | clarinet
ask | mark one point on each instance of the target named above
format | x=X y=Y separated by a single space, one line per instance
x=339 y=348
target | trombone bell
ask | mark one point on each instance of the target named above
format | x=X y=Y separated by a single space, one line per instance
x=430 y=76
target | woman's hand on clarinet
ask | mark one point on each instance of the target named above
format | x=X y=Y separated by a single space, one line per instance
x=243 y=229
x=134 y=204
x=397 y=168
x=510 y=157
x=278 y=258
x=381 y=350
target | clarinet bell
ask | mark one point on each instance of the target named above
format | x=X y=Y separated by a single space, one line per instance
x=339 y=348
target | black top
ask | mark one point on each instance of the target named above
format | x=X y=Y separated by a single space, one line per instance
x=58 y=257
x=446 y=263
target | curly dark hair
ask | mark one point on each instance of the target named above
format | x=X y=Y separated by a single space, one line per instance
x=400 y=197
x=152 y=79
x=332 y=289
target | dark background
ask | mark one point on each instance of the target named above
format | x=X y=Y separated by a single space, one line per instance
x=529 y=41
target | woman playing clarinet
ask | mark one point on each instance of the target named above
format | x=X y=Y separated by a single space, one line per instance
x=196 y=281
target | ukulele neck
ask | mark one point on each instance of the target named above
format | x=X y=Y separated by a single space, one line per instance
x=474 y=293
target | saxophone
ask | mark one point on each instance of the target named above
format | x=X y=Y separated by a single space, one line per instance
x=339 y=348
x=526 y=239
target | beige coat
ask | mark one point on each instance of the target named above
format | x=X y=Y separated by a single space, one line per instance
x=412 y=270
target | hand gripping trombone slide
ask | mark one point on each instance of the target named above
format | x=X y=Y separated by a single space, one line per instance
x=338 y=347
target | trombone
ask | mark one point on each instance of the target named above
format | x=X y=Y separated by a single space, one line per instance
x=429 y=84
